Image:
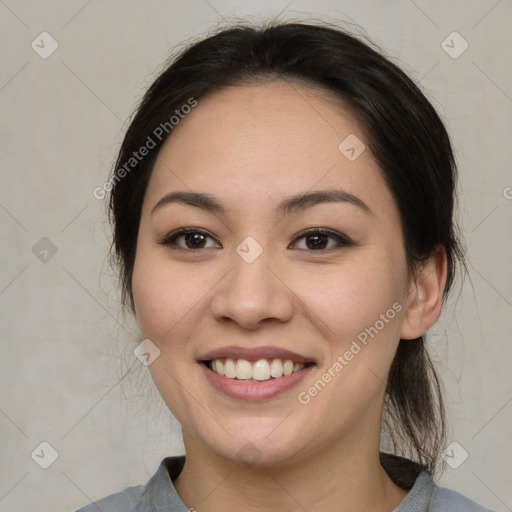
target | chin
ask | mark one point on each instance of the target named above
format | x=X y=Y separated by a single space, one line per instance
x=257 y=450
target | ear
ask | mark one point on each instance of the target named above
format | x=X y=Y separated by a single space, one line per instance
x=425 y=295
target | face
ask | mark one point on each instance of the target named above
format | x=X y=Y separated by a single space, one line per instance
x=260 y=281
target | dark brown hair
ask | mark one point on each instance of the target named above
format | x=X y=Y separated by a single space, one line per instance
x=406 y=137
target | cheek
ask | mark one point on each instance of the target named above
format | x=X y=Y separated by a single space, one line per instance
x=353 y=296
x=361 y=306
x=164 y=295
x=358 y=306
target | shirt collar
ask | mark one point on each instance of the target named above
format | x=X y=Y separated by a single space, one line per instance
x=159 y=494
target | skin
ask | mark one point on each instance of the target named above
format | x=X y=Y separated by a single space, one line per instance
x=251 y=147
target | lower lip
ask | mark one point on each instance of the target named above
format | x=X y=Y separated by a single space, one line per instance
x=254 y=390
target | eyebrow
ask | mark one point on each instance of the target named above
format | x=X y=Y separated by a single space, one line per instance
x=298 y=202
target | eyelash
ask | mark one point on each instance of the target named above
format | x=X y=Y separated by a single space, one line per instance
x=170 y=239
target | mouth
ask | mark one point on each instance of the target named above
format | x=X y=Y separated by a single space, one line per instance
x=254 y=374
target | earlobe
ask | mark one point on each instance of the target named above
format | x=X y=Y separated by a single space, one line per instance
x=425 y=296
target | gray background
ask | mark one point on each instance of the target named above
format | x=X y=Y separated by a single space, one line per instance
x=68 y=373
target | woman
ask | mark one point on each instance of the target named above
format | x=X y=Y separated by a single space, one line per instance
x=282 y=206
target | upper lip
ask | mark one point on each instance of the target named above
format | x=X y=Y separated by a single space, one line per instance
x=254 y=353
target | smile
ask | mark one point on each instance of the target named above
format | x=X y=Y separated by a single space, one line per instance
x=254 y=383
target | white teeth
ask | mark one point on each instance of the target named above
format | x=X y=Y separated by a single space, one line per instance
x=288 y=367
x=229 y=369
x=243 y=369
x=260 y=370
x=276 y=368
x=219 y=368
x=297 y=367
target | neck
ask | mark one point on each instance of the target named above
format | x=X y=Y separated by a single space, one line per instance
x=336 y=479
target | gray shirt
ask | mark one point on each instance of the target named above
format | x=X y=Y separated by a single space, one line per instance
x=159 y=494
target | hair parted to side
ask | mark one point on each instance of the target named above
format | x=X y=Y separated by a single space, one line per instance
x=406 y=136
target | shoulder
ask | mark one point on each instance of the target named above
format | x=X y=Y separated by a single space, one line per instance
x=122 y=501
x=157 y=494
x=424 y=494
x=446 y=500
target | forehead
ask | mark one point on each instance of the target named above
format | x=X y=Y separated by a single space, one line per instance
x=265 y=141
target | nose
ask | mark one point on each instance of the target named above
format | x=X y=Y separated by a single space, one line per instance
x=251 y=293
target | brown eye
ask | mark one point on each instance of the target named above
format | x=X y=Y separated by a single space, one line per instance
x=318 y=240
x=193 y=239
